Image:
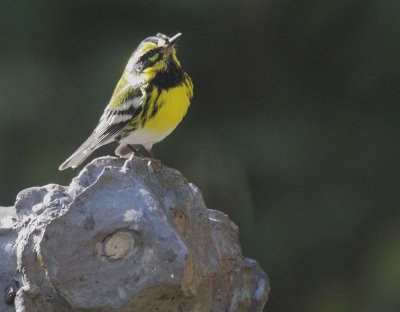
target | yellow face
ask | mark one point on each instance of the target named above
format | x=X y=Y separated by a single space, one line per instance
x=152 y=55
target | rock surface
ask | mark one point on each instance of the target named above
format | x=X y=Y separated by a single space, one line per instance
x=128 y=235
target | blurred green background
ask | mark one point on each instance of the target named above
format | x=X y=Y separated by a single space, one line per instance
x=293 y=131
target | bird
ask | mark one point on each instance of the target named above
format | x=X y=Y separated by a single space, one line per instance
x=149 y=101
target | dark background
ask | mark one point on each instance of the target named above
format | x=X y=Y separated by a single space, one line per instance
x=293 y=131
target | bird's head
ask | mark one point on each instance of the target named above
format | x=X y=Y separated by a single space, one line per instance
x=153 y=54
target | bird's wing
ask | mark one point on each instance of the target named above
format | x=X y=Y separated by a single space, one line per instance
x=124 y=107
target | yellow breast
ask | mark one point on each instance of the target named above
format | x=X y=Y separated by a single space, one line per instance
x=172 y=106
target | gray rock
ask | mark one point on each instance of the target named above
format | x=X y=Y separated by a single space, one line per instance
x=128 y=235
x=8 y=236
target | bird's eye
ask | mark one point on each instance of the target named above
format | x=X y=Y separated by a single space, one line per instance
x=154 y=57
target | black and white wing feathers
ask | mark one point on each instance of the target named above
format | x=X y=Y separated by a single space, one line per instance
x=125 y=105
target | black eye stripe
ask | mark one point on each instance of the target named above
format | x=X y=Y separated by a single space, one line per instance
x=144 y=60
x=149 y=54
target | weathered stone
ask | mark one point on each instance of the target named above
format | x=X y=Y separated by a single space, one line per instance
x=8 y=264
x=128 y=235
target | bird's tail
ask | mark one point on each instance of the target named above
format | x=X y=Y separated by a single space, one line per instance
x=79 y=156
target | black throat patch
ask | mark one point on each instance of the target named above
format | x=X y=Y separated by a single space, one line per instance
x=169 y=78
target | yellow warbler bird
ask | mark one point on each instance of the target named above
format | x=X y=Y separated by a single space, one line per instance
x=149 y=101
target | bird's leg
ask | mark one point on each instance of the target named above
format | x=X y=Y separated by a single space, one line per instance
x=151 y=154
x=153 y=157
x=148 y=147
x=133 y=148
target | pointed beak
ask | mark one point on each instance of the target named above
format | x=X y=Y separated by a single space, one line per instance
x=170 y=45
x=173 y=40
